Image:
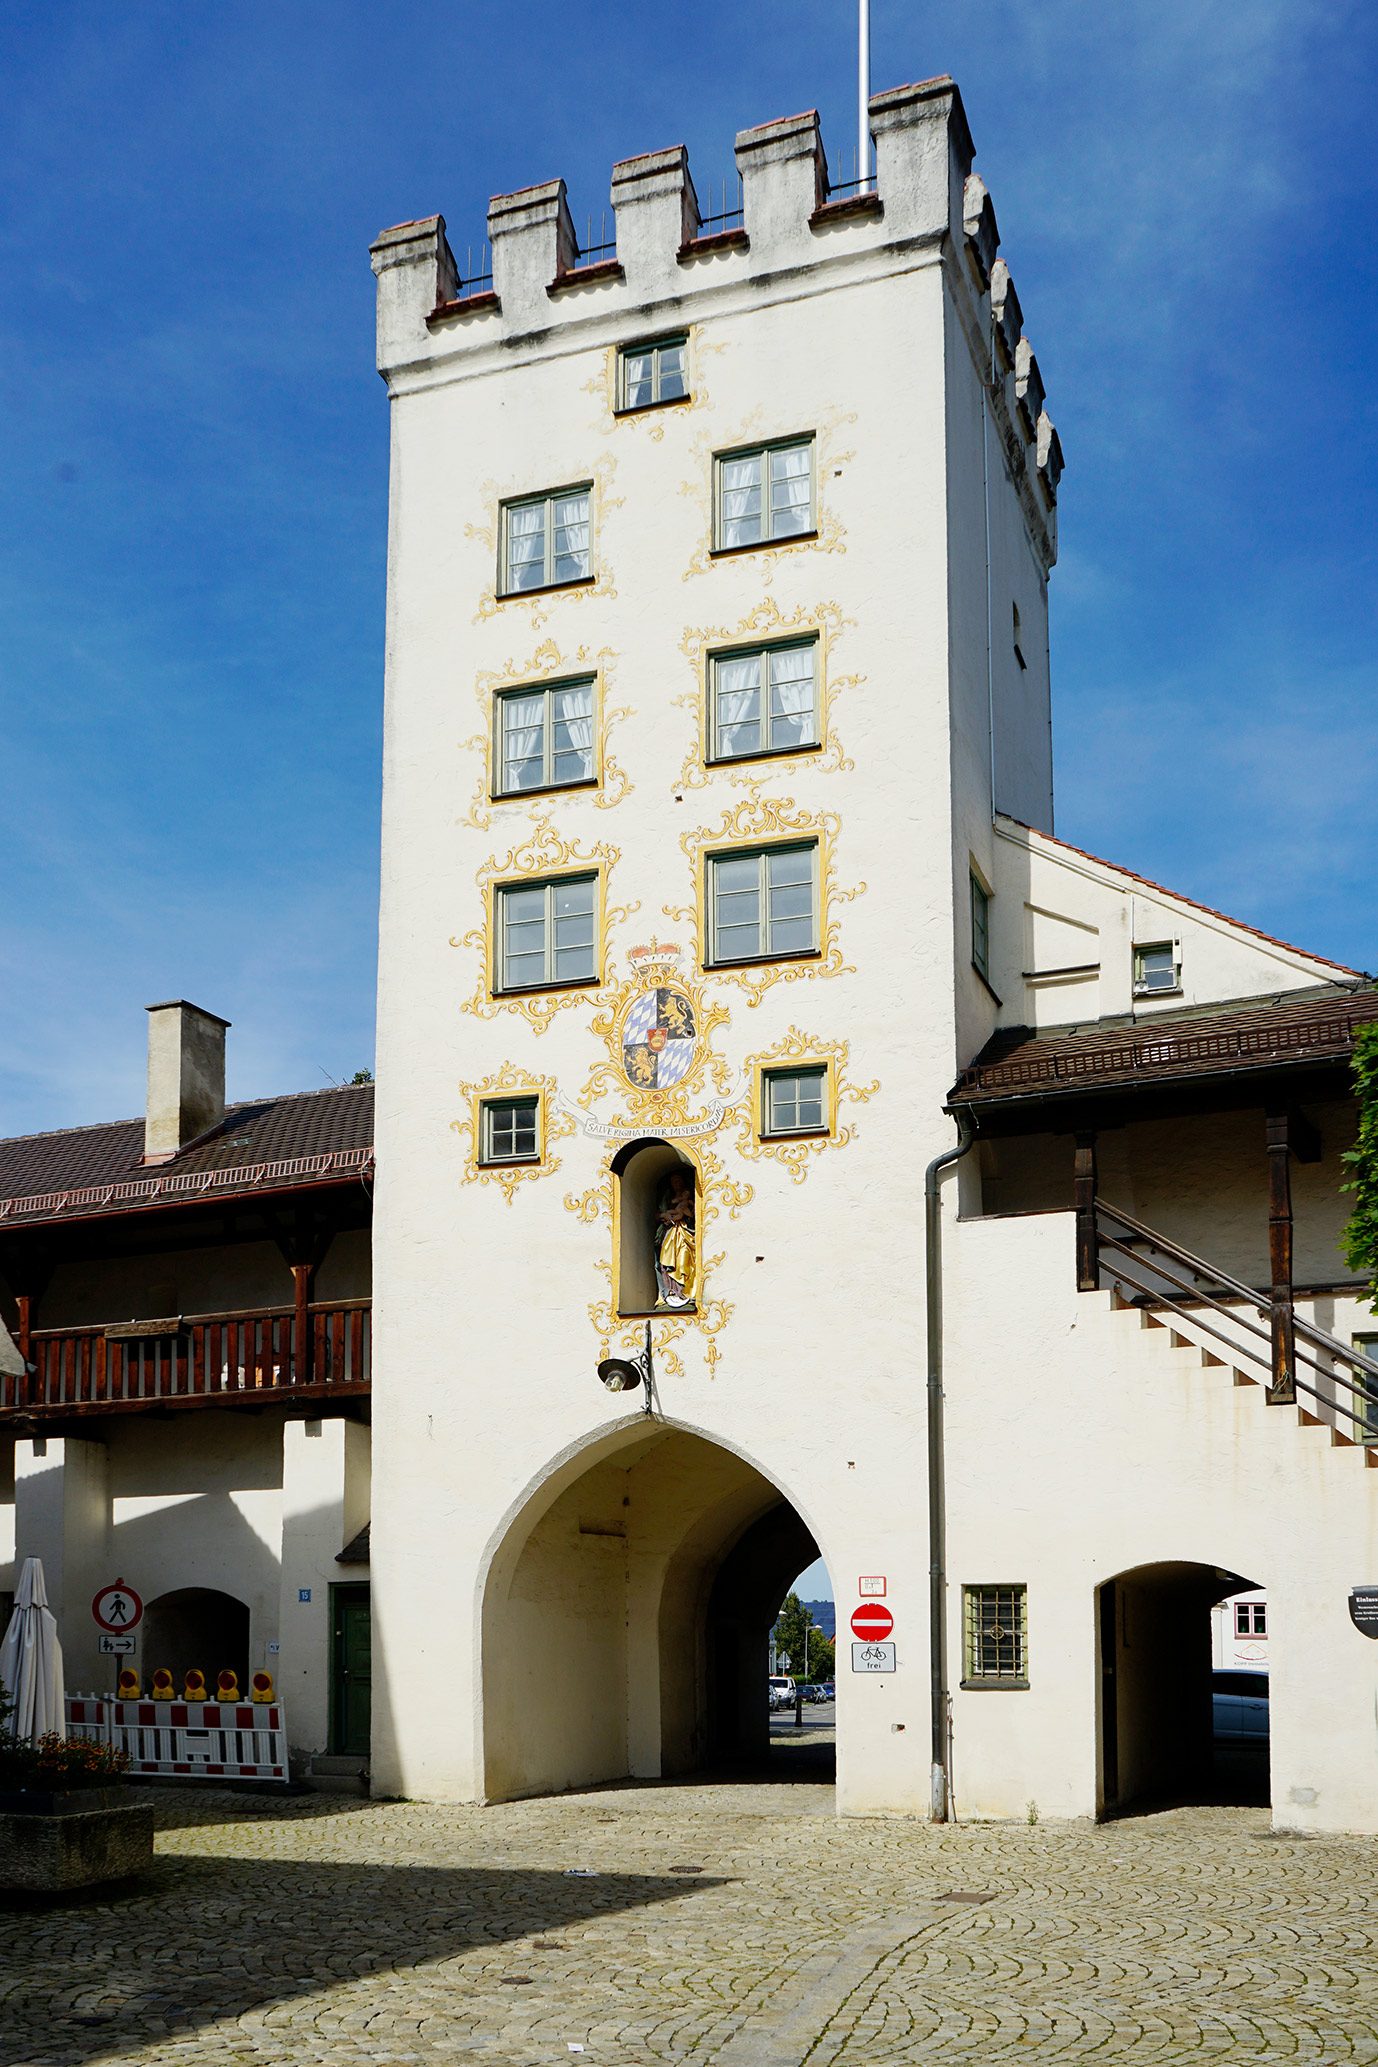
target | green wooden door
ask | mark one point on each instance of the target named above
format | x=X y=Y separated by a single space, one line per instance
x=351 y=1671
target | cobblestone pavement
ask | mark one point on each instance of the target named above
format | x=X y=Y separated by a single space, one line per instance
x=729 y=1926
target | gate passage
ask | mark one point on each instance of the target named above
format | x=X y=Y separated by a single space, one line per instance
x=195 y=1740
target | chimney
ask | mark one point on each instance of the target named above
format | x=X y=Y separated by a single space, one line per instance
x=186 y=1077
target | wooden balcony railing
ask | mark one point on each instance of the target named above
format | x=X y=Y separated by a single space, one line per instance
x=251 y=1358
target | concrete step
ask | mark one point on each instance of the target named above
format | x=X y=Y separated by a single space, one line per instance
x=336 y=1773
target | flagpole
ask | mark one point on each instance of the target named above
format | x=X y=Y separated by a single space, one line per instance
x=863 y=97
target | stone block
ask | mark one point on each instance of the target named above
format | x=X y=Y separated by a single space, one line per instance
x=74 y=1847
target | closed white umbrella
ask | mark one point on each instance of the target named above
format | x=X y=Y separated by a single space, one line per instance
x=31 y=1660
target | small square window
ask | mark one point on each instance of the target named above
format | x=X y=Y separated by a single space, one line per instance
x=995 y=1636
x=764 y=495
x=794 y=1101
x=1156 y=969
x=763 y=903
x=510 y=1130
x=763 y=701
x=544 y=737
x=546 y=933
x=652 y=373
x=980 y=928
x=546 y=540
x=1251 y=1618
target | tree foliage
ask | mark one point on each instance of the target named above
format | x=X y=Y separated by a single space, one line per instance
x=1361 y=1234
x=800 y=1644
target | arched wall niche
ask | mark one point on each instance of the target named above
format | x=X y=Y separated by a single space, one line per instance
x=195 y=1626
x=642 y=1170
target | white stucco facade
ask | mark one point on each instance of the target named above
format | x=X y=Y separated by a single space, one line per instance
x=545 y=1562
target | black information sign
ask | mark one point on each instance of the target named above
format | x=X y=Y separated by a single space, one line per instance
x=1363 y=1609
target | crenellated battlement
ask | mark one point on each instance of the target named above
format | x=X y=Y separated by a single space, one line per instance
x=925 y=206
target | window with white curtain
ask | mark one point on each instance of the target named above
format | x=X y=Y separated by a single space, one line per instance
x=546 y=933
x=763 y=903
x=764 y=701
x=764 y=495
x=546 y=540
x=651 y=373
x=544 y=737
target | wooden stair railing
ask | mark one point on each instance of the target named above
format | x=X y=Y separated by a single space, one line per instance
x=1152 y=1272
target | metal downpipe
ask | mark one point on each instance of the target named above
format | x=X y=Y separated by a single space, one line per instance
x=937 y=1478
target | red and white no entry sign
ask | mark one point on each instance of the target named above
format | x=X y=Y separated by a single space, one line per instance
x=872 y=1622
x=117 y=1607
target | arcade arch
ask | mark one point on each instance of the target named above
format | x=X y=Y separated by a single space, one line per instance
x=1155 y=1739
x=627 y=1613
x=195 y=1626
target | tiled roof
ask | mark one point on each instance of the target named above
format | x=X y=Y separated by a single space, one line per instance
x=1289 y=1030
x=263 y=1142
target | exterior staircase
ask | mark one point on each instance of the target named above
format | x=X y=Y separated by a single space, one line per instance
x=1212 y=1319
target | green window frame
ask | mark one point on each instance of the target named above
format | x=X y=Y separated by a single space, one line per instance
x=980 y=927
x=511 y=1130
x=764 y=494
x=794 y=1101
x=546 y=541
x=763 y=700
x=763 y=903
x=546 y=933
x=653 y=372
x=543 y=737
x=995 y=1636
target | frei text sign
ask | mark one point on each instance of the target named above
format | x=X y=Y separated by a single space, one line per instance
x=117 y=1608
x=871 y=1622
x=1363 y=1609
x=873 y=1657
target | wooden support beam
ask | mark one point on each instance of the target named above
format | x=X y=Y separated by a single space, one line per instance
x=1282 y=1388
x=1084 y=1198
x=303 y=1278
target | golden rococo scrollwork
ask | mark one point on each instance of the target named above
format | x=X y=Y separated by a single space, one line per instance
x=828 y=535
x=552 y=1124
x=543 y=850
x=765 y=623
x=794 y=1152
x=539 y=604
x=762 y=819
x=547 y=664
x=651 y=422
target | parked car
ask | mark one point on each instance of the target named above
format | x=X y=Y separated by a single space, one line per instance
x=1239 y=1706
x=817 y=1690
x=781 y=1690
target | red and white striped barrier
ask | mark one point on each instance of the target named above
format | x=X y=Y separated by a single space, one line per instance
x=193 y=1740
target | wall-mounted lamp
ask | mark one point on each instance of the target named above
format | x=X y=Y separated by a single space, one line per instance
x=624 y=1374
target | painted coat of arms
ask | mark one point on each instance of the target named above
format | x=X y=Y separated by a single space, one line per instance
x=658 y=1039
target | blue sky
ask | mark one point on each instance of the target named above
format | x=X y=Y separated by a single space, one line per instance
x=191 y=574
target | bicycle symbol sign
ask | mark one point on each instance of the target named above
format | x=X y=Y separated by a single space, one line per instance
x=873 y=1657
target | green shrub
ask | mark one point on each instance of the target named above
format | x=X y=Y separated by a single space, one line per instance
x=1360 y=1237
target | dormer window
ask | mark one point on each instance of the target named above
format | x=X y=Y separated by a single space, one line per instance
x=1157 y=969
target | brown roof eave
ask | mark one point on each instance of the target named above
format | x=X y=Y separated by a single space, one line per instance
x=188 y=1203
x=1140 y=1085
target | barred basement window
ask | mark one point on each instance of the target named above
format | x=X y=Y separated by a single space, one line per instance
x=763 y=495
x=510 y=1132
x=995 y=1636
x=651 y=373
x=545 y=541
